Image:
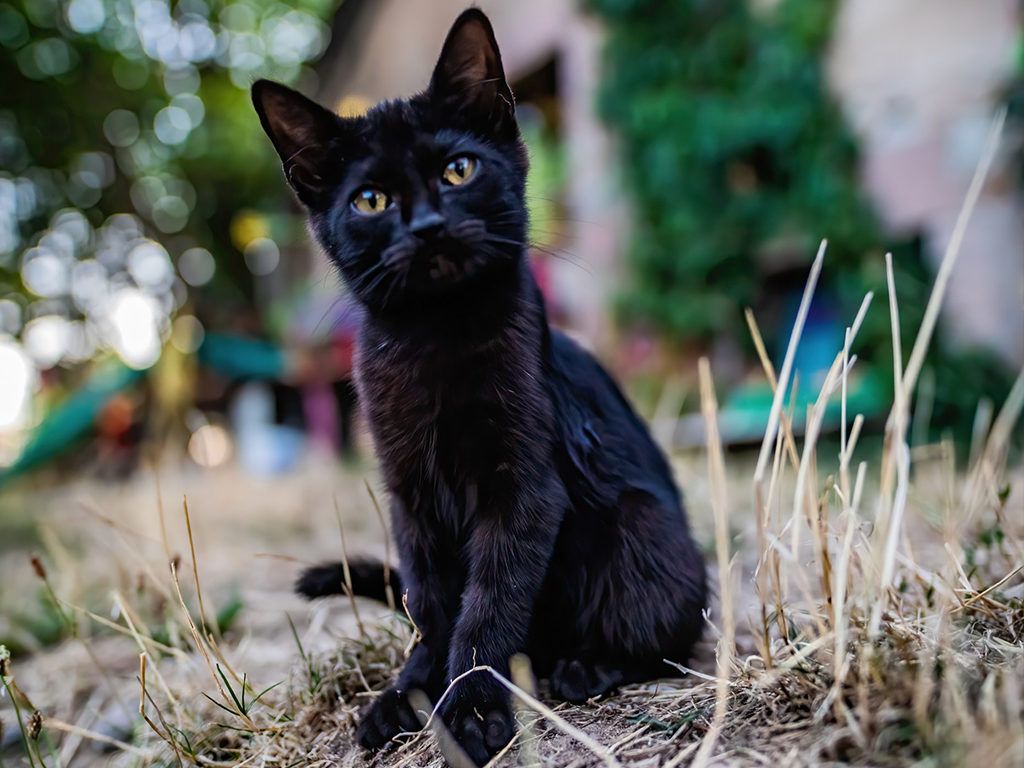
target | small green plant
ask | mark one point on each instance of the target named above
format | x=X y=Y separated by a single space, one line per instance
x=241 y=707
x=315 y=678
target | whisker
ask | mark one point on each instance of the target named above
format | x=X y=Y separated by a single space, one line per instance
x=370 y=273
x=566 y=257
x=377 y=282
x=346 y=314
x=510 y=215
x=327 y=312
x=391 y=288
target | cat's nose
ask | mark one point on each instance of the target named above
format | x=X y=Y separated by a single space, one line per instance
x=426 y=224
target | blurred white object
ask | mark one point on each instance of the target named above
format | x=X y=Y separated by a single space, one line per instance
x=264 y=448
x=18 y=381
x=134 y=327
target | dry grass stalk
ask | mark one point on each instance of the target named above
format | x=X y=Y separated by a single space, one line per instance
x=453 y=754
x=599 y=750
x=787 y=364
x=195 y=569
x=521 y=672
x=76 y=730
x=165 y=735
x=720 y=508
x=347 y=573
x=388 y=590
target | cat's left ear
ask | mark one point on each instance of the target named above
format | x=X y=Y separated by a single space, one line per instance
x=469 y=76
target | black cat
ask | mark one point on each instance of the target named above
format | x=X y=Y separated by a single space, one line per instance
x=531 y=509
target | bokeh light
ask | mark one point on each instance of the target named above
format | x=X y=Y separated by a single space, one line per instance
x=210 y=446
x=187 y=333
x=46 y=340
x=262 y=256
x=17 y=383
x=196 y=266
x=112 y=281
x=133 y=327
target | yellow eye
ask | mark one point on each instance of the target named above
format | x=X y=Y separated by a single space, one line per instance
x=459 y=171
x=370 y=201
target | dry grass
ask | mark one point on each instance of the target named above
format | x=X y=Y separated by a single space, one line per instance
x=937 y=680
x=870 y=612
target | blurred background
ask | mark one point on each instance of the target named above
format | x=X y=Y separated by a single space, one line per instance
x=161 y=301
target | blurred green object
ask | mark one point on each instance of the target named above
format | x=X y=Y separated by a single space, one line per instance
x=744 y=414
x=73 y=418
x=547 y=169
x=238 y=357
x=134 y=175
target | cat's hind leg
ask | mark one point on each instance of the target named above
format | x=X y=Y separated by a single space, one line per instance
x=577 y=680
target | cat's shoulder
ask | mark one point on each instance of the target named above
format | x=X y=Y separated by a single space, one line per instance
x=571 y=363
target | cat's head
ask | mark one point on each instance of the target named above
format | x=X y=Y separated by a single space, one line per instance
x=419 y=199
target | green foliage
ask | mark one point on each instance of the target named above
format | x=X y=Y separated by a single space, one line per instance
x=733 y=150
x=128 y=122
x=737 y=157
x=545 y=179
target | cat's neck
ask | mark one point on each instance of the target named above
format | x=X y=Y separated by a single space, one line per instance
x=473 y=317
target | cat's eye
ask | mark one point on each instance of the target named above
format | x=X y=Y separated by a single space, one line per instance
x=459 y=170
x=370 y=201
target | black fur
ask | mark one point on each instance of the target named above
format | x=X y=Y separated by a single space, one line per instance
x=531 y=509
x=368 y=578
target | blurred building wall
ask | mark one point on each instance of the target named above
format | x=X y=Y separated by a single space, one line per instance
x=919 y=80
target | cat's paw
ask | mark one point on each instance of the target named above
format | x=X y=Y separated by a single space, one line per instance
x=388 y=716
x=576 y=680
x=480 y=720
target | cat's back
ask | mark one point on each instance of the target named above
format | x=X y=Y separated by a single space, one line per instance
x=603 y=441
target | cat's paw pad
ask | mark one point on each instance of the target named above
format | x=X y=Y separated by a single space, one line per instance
x=481 y=726
x=388 y=716
x=576 y=680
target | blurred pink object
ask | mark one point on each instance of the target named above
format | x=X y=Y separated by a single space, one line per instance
x=320 y=409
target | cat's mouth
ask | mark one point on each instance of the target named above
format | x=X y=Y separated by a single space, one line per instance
x=430 y=267
x=457 y=257
x=442 y=266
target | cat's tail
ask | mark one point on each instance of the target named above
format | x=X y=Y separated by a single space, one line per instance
x=369 y=578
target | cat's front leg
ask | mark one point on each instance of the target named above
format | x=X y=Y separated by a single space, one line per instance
x=392 y=713
x=510 y=550
x=432 y=599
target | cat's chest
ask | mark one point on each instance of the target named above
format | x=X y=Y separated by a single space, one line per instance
x=452 y=413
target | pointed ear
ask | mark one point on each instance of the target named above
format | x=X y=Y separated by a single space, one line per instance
x=309 y=139
x=469 y=76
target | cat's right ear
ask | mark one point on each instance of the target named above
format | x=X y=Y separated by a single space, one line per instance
x=309 y=139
